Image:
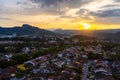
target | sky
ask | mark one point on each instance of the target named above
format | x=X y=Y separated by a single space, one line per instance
x=61 y=14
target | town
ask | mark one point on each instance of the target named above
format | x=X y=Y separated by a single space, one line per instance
x=58 y=59
x=59 y=39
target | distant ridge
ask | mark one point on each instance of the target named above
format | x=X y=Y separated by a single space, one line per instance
x=110 y=34
x=26 y=29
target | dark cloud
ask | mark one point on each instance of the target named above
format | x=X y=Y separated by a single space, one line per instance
x=67 y=16
x=34 y=7
x=116 y=0
x=107 y=13
x=110 y=6
x=82 y=11
x=111 y=16
x=84 y=14
x=67 y=3
x=24 y=3
x=51 y=6
x=46 y=2
x=0 y=9
x=62 y=3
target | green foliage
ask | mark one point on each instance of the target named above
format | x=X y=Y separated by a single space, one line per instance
x=112 y=57
x=78 y=69
x=5 y=63
x=36 y=54
x=21 y=74
x=20 y=58
x=92 y=56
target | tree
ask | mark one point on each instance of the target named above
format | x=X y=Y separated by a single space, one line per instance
x=11 y=50
x=36 y=54
x=20 y=58
x=4 y=64
x=94 y=56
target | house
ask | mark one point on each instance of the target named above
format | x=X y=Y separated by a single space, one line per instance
x=22 y=67
x=26 y=50
x=60 y=55
x=7 y=57
x=8 y=72
x=51 y=78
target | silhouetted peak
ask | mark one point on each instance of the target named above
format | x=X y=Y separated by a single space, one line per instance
x=58 y=29
x=26 y=26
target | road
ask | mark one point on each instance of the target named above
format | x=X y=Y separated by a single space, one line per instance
x=85 y=70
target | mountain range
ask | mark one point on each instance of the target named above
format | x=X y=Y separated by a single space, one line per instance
x=26 y=29
x=111 y=34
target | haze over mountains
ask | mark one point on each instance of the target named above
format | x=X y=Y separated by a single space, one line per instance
x=74 y=32
x=112 y=34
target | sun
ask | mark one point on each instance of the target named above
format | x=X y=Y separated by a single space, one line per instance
x=86 y=26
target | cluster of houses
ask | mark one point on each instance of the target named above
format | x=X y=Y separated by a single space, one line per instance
x=65 y=65
x=101 y=70
x=62 y=66
x=11 y=42
x=8 y=56
x=116 y=67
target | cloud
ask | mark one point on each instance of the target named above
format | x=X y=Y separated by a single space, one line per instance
x=109 y=16
x=84 y=14
x=82 y=11
x=107 y=13
x=0 y=7
x=46 y=2
x=111 y=6
x=116 y=0
x=5 y=18
x=64 y=3
x=10 y=19
x=67 y=16
x=51 y=6
x=38 y=7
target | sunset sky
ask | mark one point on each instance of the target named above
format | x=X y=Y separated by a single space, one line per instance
x=64 y=14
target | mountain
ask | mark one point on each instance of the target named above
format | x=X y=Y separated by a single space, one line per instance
x=26 y=29
x=78 y=32
x=111 y=34
x=67 y=32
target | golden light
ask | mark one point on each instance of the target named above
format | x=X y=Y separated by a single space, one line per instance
x=86 y=26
